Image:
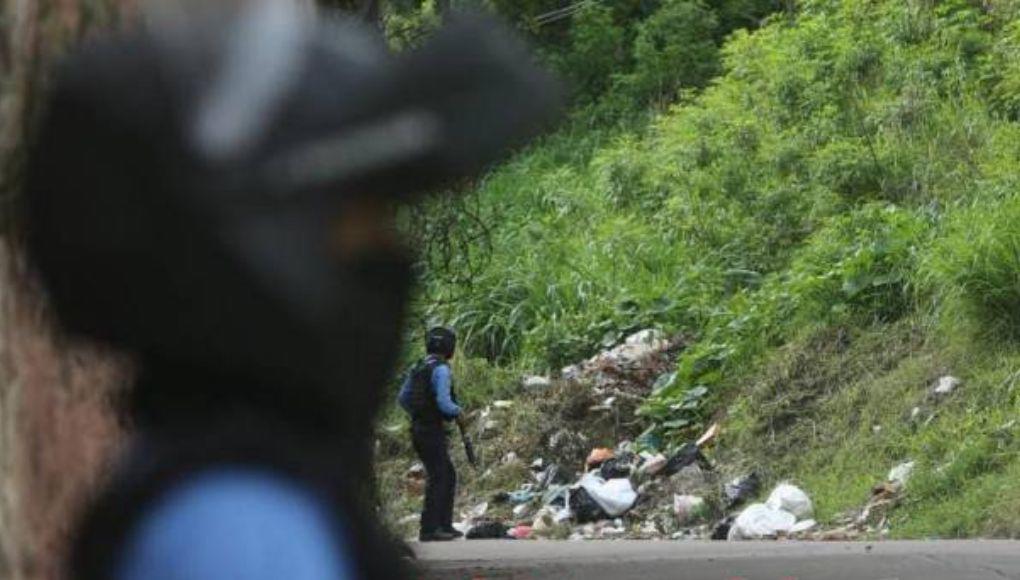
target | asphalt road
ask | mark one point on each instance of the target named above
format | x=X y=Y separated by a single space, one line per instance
x=597 y=560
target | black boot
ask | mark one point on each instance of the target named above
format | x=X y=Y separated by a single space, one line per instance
x=436 y=536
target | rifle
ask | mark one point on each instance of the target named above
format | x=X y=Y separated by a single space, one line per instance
x=469 y=448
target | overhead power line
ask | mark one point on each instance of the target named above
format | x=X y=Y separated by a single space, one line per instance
x=561 y=13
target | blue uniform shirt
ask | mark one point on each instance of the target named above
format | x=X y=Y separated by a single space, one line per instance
x=234 y=524
x=441 y=382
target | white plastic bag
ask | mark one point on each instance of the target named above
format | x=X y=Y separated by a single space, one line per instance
x=760 y=521
x=615 y=496
x=803 y=526
x=791 y=498
x=901 y=473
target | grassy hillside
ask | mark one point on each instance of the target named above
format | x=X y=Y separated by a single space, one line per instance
x=832 y=219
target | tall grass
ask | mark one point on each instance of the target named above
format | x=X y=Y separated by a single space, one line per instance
x=974 y=267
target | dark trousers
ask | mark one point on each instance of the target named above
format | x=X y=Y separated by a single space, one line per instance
x=430 y=445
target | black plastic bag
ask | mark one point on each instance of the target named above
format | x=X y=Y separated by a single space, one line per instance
x=722 y=529
x=618 y=467
x=740 y=489
x=488 y=530
x=687 y=455
x=585 y=508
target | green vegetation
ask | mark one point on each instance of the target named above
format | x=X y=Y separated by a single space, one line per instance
x=826 y=204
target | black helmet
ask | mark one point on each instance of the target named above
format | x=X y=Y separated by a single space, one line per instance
x=184 y=182
x=440 y=340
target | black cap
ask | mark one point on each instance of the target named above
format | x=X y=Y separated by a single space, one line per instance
x=440 y=340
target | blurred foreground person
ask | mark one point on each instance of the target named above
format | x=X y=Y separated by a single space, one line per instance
x=428 y=396
x=214 y=196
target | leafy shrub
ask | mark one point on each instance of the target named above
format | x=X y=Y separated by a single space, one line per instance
x=596 y=52
x=975 y=264
x=675 y=48
x=861 y=263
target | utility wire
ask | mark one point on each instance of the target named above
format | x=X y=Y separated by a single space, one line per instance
x=561 y=13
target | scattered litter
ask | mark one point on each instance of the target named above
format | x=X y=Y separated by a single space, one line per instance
x=653 y=465
x=477 y=511
x=487 y=530
x=615 y=496
x=792 y=499
x=548 y=517
x=649 y=440
x=537 y=464
x=521 y=510
x=803 y=526
x=606 y=405
x=521 y=496
x=759 y=521
x=915 y=413
x=552 y=475
x=502 y=404
x=462 y=527
x=543 y=520
x=884 y=497
x=509 y=458
x=688 y=508
x=708 y=435
x=901 y=473
x=571 y=373
x=614 y=532
x=411 y=519
x=416 y=471
x=649 y=336
x=598 y=456
x=521 y=532
x=741 y=489
x=565 y=440
x=557 y=495
x=839 y=535
x=536 y=383
x=946 y=385
x=649 y=529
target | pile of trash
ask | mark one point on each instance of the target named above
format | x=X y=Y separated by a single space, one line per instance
x=556 y=483
x=632 y=490
x=633 y=365
x=605 y=500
